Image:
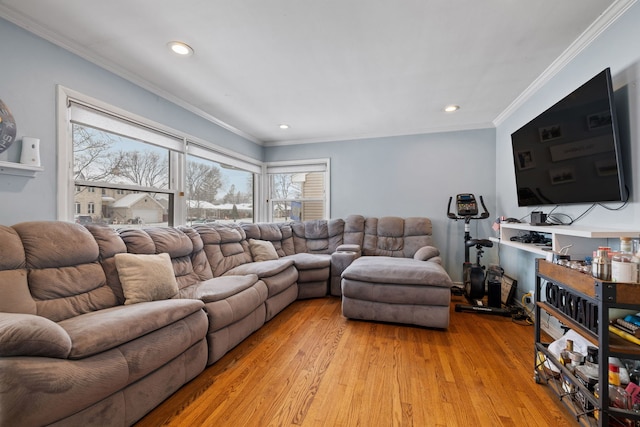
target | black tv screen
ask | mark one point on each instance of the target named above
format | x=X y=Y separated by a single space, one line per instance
x=571 y=152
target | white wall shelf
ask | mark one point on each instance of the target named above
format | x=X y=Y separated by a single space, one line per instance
x=11 y=168
x=584 y=240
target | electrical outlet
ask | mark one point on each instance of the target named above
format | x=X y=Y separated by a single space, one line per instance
x=528 y=298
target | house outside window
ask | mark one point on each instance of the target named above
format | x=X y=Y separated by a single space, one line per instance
x=109 y=161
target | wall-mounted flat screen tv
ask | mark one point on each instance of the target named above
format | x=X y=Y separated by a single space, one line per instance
x=571 y=152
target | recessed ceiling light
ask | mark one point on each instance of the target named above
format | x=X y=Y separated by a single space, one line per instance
x=180 y=48
x=451 y=108
x=284 y=126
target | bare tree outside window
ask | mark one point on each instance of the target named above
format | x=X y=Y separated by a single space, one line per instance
x=105 y=158
x=203 y=181
x=213 y=193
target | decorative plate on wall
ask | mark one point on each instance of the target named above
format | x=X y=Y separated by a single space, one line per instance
x=7 y=127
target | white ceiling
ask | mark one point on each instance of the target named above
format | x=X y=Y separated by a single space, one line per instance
x=331 y=69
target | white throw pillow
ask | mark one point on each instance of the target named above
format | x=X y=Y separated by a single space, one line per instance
x=262 y=250
x=146 y=277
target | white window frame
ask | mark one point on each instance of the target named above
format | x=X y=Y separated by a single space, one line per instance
x=198 y=148
x=298 y=166
x=101 y=115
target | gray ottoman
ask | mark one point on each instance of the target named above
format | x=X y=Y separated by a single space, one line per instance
x=397 y=290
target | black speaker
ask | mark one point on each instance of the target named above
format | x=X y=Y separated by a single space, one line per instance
x=538 y=217
x=494 y=293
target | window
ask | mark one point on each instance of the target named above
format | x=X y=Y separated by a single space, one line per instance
x=218 y=188
x=298 y=191
x=142 y=168
x=109 y=161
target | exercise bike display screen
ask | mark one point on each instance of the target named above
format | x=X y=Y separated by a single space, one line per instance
x=466 y=204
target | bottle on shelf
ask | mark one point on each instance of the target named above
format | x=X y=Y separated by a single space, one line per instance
x=623 y=269
x=618 y=397
x=601 y=264
x=592 y=357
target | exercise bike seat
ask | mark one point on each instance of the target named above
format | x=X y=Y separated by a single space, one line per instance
x=479 y=242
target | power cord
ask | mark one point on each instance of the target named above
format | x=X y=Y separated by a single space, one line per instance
x=522 y=315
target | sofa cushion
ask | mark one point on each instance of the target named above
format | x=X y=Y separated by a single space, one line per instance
x=306 y=261
x=262 y=250
x=30 y=335
x=14 y=289
x=95 y=332
x=146 y=277
x=219 y=288
x=395 y=236
x=405 y=271
x=65 y=276
x=261 y=269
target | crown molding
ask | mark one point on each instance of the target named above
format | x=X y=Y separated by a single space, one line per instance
x=33 y=27
x=604 y=21
x=431 y=130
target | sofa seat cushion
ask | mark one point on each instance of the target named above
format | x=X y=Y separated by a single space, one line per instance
x=406 y=271
x=234 y=308
x=305 y=261
x=261 y=269
x=219 y=288
x=101 y=330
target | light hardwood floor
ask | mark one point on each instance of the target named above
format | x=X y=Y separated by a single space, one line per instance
x=310 y=366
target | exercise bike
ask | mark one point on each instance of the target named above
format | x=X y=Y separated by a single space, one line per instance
x=474 y=274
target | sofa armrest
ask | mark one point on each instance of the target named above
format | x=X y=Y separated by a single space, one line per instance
x=31 y=335
x=340 y=260
x=349 y=248
x=427 y=253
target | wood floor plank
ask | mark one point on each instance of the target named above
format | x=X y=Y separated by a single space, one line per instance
x=310 y=366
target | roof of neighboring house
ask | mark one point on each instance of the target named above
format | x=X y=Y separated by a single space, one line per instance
x=131 y=199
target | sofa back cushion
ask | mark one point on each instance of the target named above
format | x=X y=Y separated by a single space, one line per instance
x=183 y=245
x=279 y=234
x=63 y=270
x=395 y=236
x=14 y=287
x=319 y=236
x=354 y=230
x=225 y=245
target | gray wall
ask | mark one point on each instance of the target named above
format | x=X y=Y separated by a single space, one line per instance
x=613 y=48
x=410 y=176
x=30 y=69
x=405 y=176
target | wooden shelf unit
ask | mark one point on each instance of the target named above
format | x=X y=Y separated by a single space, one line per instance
x=607 y=296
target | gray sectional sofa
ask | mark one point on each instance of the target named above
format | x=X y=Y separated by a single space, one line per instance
x=98 y=326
